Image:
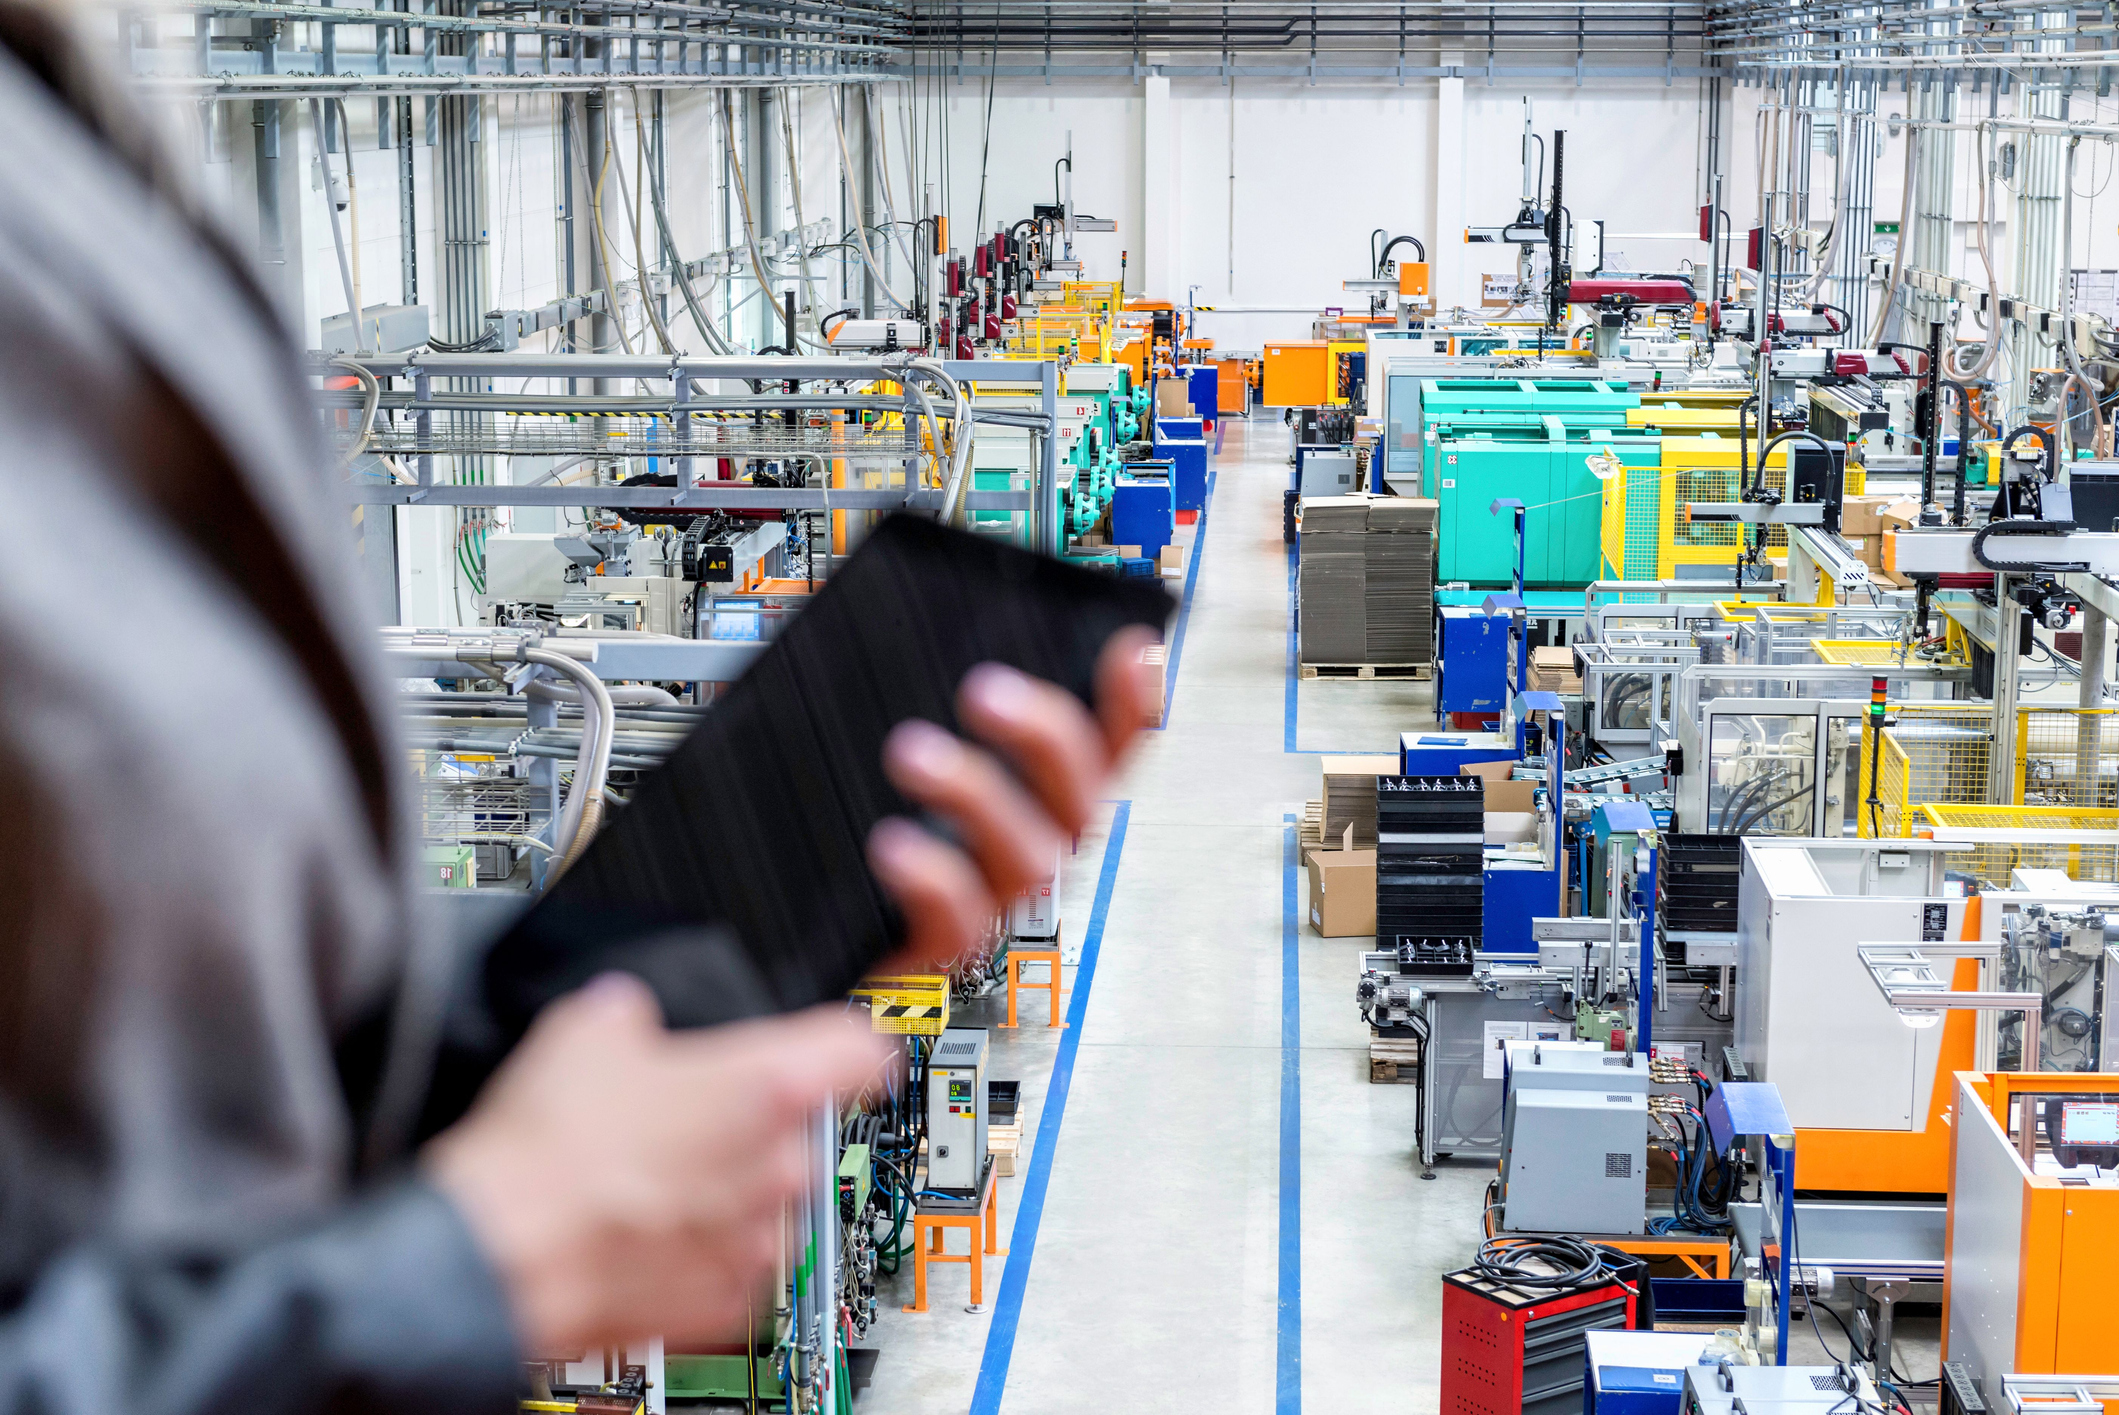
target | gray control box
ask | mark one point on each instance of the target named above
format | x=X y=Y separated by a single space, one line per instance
x=956 y=1111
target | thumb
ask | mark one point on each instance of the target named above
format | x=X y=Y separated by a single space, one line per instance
x=612 y=1001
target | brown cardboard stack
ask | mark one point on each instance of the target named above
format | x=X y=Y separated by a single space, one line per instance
x=1333 y=580
x=1400 y=567
x=1367 y=580
x=1350 y=795
x=1552 y=670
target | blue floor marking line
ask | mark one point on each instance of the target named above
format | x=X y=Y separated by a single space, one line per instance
x=1287 y=1382
x=1030 y=1208
x=1291 y=707
x=1184 y=611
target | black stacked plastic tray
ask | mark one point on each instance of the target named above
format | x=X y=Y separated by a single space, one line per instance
x=1430 y=863
x=1696 y=883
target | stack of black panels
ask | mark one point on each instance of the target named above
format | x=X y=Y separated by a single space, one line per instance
x=1430 y=862
x=1696 y=883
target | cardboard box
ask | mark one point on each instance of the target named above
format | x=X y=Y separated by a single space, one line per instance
x=1173 y=398
x=1126 y=552
x=1343 y=890
x=1857 y=514
x=1155 y=670
x=1552 y=670
x=1511 y=827
x=1172 y=557
x=1898 y=515
x=1503 y=796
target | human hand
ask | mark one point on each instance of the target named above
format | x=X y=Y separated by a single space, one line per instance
x=1011 y=824
x=625 y=1180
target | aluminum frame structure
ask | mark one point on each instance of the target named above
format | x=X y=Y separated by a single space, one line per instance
x=433 y=424
x=1337 y=39
x=252 y=49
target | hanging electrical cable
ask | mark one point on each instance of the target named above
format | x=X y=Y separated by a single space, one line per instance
x=2078 y=374
x=860 y=231
x=1898 y=256
x=603 y=240
x=750 y=238
x=1991 y=325
x=632 y=201
x=714 y=342
x=794 y=184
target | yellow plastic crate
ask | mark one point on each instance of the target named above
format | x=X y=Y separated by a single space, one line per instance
x=915 y=1004
x=1881 y=653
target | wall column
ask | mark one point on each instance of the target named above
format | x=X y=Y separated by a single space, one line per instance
x=1452 y=278
x=1159 y=277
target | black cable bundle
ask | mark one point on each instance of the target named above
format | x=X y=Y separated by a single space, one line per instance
x=756 y=828
x=1540 y=1263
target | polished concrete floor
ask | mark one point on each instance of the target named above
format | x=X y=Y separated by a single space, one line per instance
x=1216 y=1211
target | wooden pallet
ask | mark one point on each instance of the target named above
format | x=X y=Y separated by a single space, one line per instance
x=1419 y=672
x=1005 y=1144
x=1393 y=1059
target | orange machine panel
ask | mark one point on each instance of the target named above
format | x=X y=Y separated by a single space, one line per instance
x=1904 y=1161
x=1412 y=279
x=1298 y=374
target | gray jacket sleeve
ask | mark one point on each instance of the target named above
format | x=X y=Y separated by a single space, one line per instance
x=387 y=1304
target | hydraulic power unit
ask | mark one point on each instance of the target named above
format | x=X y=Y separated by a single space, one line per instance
x=956 y=1111
x=1509 y=1350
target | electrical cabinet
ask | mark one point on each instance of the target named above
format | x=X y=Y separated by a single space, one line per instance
x=1183 y=442
x=1143 y=512
x=1298 y=374
x=956 y=1111
x=1471 y=672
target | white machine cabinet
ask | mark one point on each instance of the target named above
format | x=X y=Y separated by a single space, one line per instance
x=1808 y=1017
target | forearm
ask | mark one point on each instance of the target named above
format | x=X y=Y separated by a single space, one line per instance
x=388 y=1305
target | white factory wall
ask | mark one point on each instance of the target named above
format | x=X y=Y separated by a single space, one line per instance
x=1273 y=186
x=1315 y=169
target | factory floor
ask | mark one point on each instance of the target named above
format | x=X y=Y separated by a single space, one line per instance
x=1214 y=1209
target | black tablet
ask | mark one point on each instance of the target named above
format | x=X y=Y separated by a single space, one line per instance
x=736 y=879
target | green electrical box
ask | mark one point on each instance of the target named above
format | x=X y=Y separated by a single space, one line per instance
x=451 y=866
x=718 y=1377
x=854 y=1174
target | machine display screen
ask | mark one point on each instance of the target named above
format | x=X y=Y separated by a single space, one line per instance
x=2089 y=1123
x=959 y=1091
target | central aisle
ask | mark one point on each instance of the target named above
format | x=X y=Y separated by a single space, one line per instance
x=1232 y=1219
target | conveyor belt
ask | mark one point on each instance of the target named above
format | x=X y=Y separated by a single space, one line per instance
x=1884 y=1242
